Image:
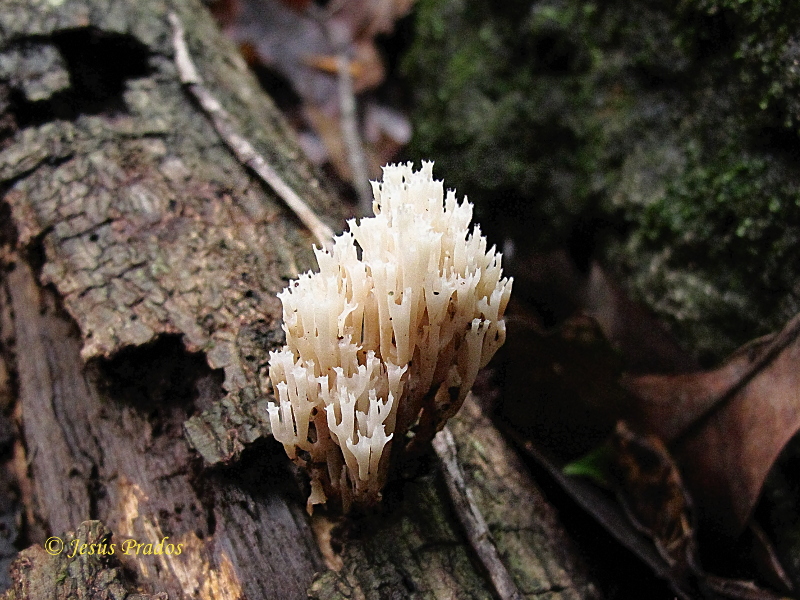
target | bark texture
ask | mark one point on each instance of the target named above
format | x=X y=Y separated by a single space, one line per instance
x=417 y=549
x=140 y=263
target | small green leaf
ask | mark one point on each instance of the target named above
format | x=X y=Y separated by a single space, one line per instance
x=596 y=465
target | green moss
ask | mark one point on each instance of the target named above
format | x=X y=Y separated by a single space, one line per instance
x=675 y=123
x=486 y=112
x=716 y=254
x=764 y=49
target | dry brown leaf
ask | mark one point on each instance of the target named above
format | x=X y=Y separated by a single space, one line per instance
x=671 y=403
x=368 y=18
x=562 y=385
x=305 y=43
x=295 y=42
x=690 y=583
x=282 y=39
x=553 y=284
x=727 y=426
x=765 y=559
x=366 y=67
x=651 y=490
x=329 y=129
x=606 y=510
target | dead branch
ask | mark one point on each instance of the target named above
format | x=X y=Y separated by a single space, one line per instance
x=243 y=149
x=471 y=518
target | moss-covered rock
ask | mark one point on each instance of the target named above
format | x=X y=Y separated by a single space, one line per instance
x=671 y=126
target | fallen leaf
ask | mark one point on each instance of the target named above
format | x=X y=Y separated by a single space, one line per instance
x=651 y=515
x=366 y=67
x=765 y=558
x=553 y=284
x=726 y=427
x=287 y=37
x=368 y=18
x=641 y=472
x=301 y=44
x=644 y=341
x=651 y=490
x=329 y=129
x=282 y=38
x=606 y=510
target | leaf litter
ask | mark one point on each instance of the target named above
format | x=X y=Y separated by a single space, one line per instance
x=690 y=459
x=302 y=42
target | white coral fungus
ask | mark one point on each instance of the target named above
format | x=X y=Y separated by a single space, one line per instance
x=386 y=342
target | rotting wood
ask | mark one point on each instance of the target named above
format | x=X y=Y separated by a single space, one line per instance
x=420 y=551
x=116 y=452
x=243 y=150
x=144 y=225
x=143 y=294
x=37 y=573
x=475 y=527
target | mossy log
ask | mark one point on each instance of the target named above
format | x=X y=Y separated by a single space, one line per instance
x=140 y=263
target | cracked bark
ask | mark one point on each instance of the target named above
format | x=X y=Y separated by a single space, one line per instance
x=140 y=263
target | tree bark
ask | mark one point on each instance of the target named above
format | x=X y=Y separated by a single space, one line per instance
x=140 y=263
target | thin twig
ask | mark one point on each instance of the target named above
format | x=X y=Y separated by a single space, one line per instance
x=471 y=518
x=352 y=139
x=348 y=112
x=243 y=149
